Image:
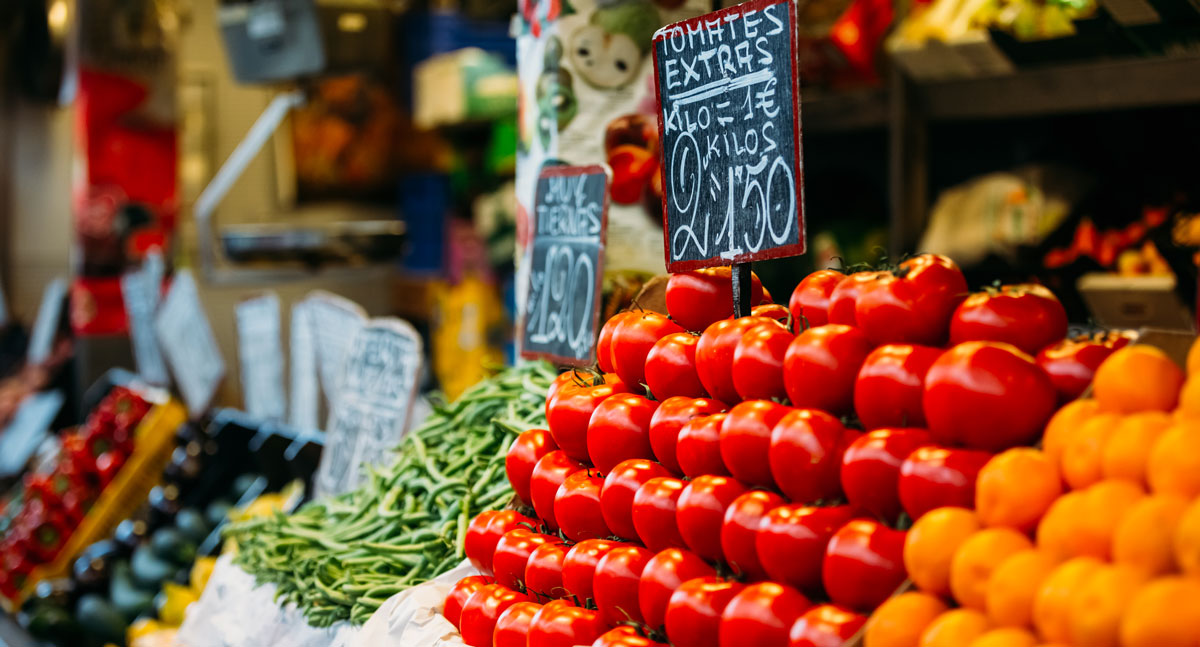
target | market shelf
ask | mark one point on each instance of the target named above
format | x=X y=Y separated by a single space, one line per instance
x=833 y=112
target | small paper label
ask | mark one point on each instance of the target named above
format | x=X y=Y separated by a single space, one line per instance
x=186 y=339
x=45 y=327
x=260 y=356
x=140 y=293
x=335 y=322
x=303 y=388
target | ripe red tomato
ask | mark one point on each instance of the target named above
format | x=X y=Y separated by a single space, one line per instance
x=693 y=616
x=1071 y=364
x=604 y=343
x=826 y=625
x=615 y=585
x=579 y=566
x=714 y=355
x=987 y=395
x=654 y=507
x=562 y=624
x=512 y=627
x=548 y=475
x=671 y=367
x=700 y=512
x=669 y=418
x=698 y=448
x=772 y=311
x=914 y=305
x=697 y=298
x=632 y=340
x=453 y=605
x=479 y=614
x=871 y=469
x=889 y=386
x=791 y=542
x=806 y=454
x=570 y=411
x=567 y=378
x=524 y=453
x=864 y=563
x=739 y=529
x=579 y=380
x=543 y=572
x=933 y=477
x=1027 y=316
x=844 y=296
x=762 y=615
x=620 y=430
x=621 y=484
x=746 y=439
x=810 y=299
x=485 y=531
x=664 y=573
x=577 y=506
x=821 y=365
x=758 y=362
x=625 y=636
x=512 y=554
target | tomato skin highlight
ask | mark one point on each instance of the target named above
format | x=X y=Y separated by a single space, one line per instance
x=914 y=305
x=1027 y=316
x=620 y=486
x=569 y=413
x=662 y=575
x=577 y=506
x=745 y=440
x=890 y=385
x=654 y=506
x=934 y=477
x=810 y=300
x=667 y=421
x=864 y=564
x=805 y=454
x=620 y=429
x=548 y=475
x=698 y=447
x=522 y=455
x=632 y=340
x=615 y=584
x=579 y=566
x=479 y=614
x=821 y=366
x=714 y=354
x=739 y=530
x=987 y=395
x=671 y=367
x=791 y=541
x=758 y=362
x=762 y=615
x=561 y=624
x=457 y=597
x=826 y=625
x=871 y=469
x=698 y=298
x=512 y=626
x=693 y=614
x=700 y=512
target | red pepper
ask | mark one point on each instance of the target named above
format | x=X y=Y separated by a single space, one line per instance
x=99 y=437
x=44 y=488
x=48 y=530
x=75 y=451
x=76 y=503
x=108 y=464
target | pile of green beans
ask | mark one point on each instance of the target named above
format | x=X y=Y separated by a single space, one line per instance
x=340 y=558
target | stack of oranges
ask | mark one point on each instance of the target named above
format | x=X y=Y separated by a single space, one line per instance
x=1091 y=541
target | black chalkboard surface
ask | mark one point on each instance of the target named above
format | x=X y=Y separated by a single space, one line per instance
x=729 y=97
x=566 y=265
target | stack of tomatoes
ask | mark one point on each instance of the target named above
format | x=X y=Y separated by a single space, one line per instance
x=716 y=474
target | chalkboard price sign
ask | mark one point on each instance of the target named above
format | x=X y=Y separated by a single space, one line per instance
x=566 y=264
x=729 y=97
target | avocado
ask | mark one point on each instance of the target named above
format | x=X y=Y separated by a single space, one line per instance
x=171 y=544
x=100 y=620
x=192 y=524
x=128 y=599
x=53 y=624
x=216 y=512
x=148 y=569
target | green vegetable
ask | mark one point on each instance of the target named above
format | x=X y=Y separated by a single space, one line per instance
x=100 y=620
x=171 y=545
x=192 y=524
x=341 y=558
x=149 y=570
x=128 y=599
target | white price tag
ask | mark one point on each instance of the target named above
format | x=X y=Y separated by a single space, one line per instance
x=336 y=320
x=41 y=341
x=304 y=391
x=260 y=356
x=139 y=290
x=186 y=339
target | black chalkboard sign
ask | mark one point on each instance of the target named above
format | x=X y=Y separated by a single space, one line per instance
x=566 y=265
x=729 y=97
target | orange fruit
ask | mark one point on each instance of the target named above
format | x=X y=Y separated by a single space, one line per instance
x=1013 y=585
x=931 y=543
x=1187 y=540
x=1128 y=447
x=1193 y=358
x=1164 y=613
x=954 y=628
x=1083 y=452
x=1189 y=398
x=1105 y=505
x=1065 y=421
x=1057 y=531
x=1015 y=488
x=1174 y=463
x=1094 y=613
x=1145 y=537
x=975 y=560
x=1053 y=599
x=900 y=620
x=1005 y=637
x=1137 y=378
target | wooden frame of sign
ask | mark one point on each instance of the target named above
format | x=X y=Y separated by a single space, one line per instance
x=725 y=109
x=556 y=344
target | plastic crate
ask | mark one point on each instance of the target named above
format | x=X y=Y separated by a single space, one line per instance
x=154 y=442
